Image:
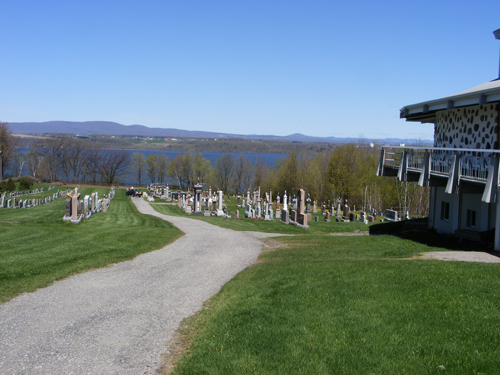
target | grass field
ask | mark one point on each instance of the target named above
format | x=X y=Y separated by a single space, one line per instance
x=349 y=305
x=37 y=247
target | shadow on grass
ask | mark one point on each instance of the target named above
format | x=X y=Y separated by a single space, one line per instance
x=431 y=238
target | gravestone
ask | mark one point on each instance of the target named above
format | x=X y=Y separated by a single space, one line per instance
x=308 y=204
x=391 y=215
x=301 y=201
x=285 y=217
x=197 y=198
x=327 y=217
x=237 y=214
x=219 y=211
x=316 y=219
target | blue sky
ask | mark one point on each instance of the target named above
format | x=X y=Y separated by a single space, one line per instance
x=321 y=68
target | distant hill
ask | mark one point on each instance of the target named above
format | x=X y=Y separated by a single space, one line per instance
x=113 y=128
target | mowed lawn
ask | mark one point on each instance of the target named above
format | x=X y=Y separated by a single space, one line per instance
x=37 y=247
x=349 y=305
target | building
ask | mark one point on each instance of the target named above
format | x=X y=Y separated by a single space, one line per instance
x=462 y=168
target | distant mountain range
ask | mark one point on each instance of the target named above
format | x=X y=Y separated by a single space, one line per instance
x=113 y=128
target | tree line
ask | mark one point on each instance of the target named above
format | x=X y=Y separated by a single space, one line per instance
x=346 y=172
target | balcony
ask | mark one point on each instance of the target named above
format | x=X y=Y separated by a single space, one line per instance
x=431 y=166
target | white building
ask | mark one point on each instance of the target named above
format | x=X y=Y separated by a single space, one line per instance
x=462 y=168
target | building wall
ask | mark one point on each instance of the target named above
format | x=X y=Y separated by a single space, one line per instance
x=467 y=127
x=442 y=225
x=473 y=202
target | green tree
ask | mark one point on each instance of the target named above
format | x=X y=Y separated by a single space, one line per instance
x=10 y=185
x=344 y=172
x=25 y=183
x=151 y=167
x=161 y=167
x=7 y=148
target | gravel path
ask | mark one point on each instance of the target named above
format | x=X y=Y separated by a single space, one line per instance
x=117 y=320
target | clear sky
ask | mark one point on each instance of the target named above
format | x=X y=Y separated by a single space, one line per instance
x=321 y=68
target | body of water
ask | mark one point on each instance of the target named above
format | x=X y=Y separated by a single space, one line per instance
x=127 y=179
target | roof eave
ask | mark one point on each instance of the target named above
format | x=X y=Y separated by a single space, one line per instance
x=426 y=110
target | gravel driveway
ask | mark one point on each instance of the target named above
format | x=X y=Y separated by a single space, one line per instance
x=117 y=320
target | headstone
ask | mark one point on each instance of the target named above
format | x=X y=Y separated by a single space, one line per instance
x=351 y=216
x=197 y=198
x=237 y=214
x=391 y=215
x=302 y=216
x=285 y=217
x=67 y=211
x=74 y=206
x=219 y=211
x=327 y=217
x=308 y=204
x=316 y=218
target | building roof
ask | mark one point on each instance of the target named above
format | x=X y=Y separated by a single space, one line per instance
x=426 y=111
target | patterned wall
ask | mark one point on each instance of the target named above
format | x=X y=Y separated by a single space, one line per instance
x=467 y=127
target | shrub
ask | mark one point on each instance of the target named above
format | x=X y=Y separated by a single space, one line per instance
x=25 y=183
x=10 y=185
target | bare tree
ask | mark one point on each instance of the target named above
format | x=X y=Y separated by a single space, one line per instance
x=223 y=172
x=92 y=165
x=48 y=150
x=75 y=153
x=243 y=173
x=138 y=165
x=34 y=160
x=260 y=171
x=113 y=163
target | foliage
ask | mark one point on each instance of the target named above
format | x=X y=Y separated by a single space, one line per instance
x=25 y=183
x=151 y=167
x=188 y=168
x=161 y=165
x=10 y=185
x=7 y=147
x=138 y=164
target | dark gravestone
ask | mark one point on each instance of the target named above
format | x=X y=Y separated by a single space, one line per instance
x=67 y=211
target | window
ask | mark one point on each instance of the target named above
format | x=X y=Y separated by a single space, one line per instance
x=445 y=211
x=471 y=219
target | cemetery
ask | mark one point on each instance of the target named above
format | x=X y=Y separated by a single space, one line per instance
x=77 y=209
x=260 y=209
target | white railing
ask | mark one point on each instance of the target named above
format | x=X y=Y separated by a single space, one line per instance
x=474 y=163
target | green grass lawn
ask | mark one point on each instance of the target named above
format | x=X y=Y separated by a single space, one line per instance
x=37 y=247
x=274 y=226
x=349 y=305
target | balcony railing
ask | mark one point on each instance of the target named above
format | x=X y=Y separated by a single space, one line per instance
x=473 y=165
